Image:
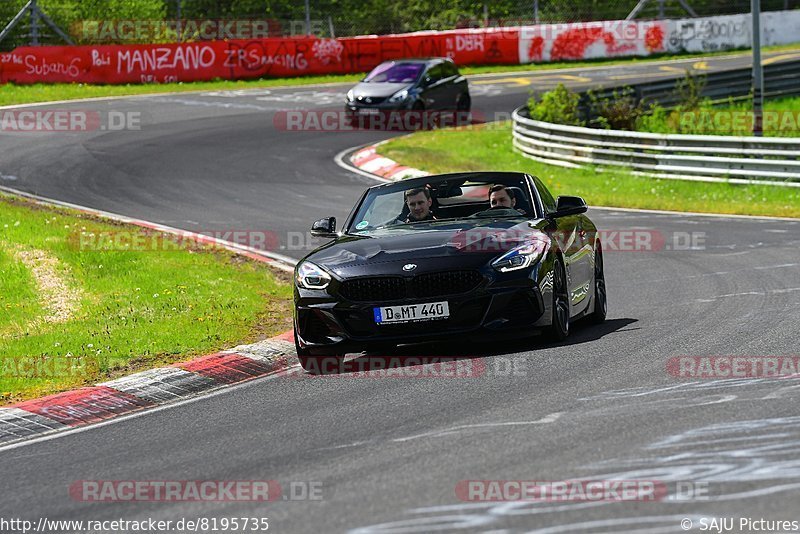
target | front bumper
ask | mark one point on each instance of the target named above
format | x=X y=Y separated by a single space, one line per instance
x=333 y=325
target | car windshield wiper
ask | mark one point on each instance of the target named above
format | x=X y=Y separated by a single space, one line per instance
x=489 y=215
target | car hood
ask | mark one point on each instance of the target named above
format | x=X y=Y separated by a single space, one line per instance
x=379 y=90
x=431 y=247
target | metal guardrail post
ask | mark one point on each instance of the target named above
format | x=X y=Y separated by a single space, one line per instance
x=34 y=9
x=758 y=80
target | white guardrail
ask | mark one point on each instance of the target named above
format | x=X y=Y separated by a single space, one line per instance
x=712 y=158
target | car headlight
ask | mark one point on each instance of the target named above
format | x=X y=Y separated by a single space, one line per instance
x=310 y=276
x=399 y=96
x=351 y=95
x=521 y=257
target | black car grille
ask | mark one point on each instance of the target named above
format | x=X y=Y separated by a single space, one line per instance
x=383 y=288
x=378 y=289
x=445 y=283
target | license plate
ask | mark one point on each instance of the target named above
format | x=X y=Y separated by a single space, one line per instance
x=369 y=111
x=411 y=313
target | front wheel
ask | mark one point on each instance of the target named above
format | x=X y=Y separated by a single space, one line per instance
x=559 y=329
x=600 y=299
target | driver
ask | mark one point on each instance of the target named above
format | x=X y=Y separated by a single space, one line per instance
x=419 y=204
x=501 y=196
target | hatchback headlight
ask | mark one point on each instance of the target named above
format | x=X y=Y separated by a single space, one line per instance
x=310 y=276
x=350 y=95
x=399 y=96
x=521 y=257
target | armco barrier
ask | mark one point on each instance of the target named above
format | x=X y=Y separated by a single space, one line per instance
x=780 y=79
x=704 y=157
x=278 y=57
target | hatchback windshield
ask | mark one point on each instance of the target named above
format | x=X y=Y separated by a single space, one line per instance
x=392 y=72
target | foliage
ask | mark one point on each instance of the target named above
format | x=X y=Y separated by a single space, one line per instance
x=560 y=105
x=620 y=111
x=689 y=92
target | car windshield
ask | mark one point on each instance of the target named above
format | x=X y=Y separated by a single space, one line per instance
x=395 y=73
x=411 y=207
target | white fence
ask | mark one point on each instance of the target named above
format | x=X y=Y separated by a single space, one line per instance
x=771 y=160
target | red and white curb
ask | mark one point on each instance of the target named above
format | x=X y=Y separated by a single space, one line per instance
x=154 y=387
x=145 y=390
x=370 y=161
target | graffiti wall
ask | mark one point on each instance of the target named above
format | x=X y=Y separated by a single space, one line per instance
x=614 y=38
x=238 y=59
x=556 y=42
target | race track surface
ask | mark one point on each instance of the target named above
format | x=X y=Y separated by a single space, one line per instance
x=389 y=453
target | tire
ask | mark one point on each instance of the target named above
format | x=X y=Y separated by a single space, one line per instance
x=600 y=299
x=559 y=328
x=463 y=102
x=418 y=106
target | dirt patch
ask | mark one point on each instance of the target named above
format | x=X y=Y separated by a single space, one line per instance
x=57 y=298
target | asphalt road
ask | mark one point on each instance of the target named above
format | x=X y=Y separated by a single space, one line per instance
x=388 y=453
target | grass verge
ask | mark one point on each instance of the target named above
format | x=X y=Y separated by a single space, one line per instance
x=11 y=94
x=73 y=316
x=781 y=119
x=488 y=147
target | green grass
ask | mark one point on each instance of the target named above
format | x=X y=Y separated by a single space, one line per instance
x=137 y=309
x=18 y=297
x=11 y=94
x=484 y=148
x=731 y=119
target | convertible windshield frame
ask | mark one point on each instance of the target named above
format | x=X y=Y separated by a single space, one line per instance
x=520 y=180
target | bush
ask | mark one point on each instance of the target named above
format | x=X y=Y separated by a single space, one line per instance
x=689 y=92
x=621 y=111
x=560 y=106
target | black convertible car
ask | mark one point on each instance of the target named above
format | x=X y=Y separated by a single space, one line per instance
x=488 y=254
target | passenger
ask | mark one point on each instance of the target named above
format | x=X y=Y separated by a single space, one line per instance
x=419 y=204
x=500 y=196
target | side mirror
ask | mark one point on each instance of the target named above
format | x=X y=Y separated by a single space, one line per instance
x=570 y=206
x=324 y=227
